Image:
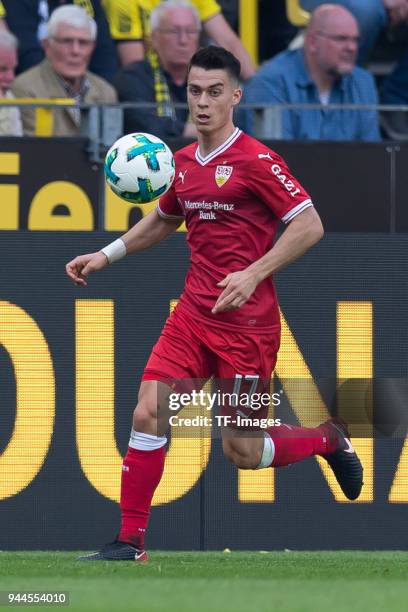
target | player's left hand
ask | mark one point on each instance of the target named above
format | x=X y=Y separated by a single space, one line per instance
x=238 y=288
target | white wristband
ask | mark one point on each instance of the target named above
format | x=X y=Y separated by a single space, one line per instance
x=115 y=250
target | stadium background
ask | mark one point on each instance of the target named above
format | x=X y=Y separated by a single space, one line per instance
x=71 y=359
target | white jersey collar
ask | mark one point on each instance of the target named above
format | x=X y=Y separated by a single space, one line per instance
x=223 y=147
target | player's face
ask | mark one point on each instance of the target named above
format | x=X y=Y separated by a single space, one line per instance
x=69 y=51
x=8 y=63
x=212 y=95
x=336 y=45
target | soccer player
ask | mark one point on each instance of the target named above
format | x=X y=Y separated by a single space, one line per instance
x=232 y=191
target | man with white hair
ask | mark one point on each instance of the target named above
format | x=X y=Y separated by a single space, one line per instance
x=27 y=19
x=161 y=78
x=10 y=121
x=69 y=42
x=129 y=22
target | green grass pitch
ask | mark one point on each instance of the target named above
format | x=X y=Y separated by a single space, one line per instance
x=215 y=581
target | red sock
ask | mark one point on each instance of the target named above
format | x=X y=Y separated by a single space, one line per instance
x=293 y=444
x=141 y=473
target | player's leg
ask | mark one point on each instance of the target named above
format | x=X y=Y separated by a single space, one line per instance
x=178 y=362
x=278 y=446
x=286 y=444
x=282 y=445
x=142 y=470
x=143 y=463
x=243 y=448
x=245 y=372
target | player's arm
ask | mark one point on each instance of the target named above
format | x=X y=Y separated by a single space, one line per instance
x=150 y=230
x=302 y=233
x=130 y=51
x=147 y=232
x=126 y=29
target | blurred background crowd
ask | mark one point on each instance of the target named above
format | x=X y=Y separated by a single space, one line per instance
x=307 y=52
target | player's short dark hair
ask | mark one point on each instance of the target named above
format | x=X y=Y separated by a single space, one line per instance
x=216 y=58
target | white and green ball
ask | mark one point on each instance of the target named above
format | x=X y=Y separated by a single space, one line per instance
x=139 y=168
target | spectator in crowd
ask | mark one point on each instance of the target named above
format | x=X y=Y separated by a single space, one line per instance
x=161 y=78
x=130 y=20
x=28 y=19
x=10 y=121
x=323 y=72
x=372 y=16
x=69 y=42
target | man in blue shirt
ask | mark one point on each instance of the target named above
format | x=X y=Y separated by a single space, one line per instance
x=323 y=72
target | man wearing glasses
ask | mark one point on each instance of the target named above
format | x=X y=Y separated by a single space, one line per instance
x=68 y=45
x=27 y=19
x=161 y=78
x=129 y=22
x=323 y=72
x=372 y=17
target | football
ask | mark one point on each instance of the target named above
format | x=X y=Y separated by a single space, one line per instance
x=139 y=168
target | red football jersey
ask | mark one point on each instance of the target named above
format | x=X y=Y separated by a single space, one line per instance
x=232 y=201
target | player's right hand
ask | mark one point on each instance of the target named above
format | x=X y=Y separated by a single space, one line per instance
x=80 y=267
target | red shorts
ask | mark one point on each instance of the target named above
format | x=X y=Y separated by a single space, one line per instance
x=190 y=351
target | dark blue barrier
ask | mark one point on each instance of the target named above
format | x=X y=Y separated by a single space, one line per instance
x=345 y=314
x=49 y=184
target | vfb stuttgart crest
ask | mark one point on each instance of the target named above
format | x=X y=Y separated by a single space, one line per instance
x=222 y=175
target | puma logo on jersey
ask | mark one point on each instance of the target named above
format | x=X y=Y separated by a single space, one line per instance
x=265 y=156
x=181 y=175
